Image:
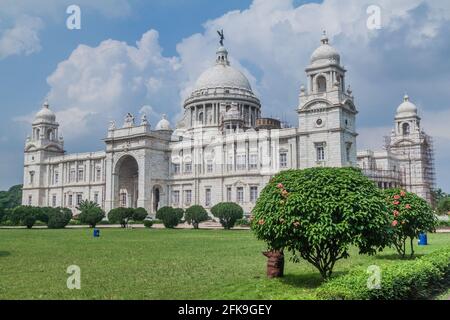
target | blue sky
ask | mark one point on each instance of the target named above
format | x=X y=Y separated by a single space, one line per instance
x=131 y=54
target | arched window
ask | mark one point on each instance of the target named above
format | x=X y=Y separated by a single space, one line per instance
x=200 y=117
x=50 y=134
x=321 y=84
x=405 y=129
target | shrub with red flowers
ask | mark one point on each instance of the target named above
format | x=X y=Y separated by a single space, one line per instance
x=410 y=216
x=318 y=213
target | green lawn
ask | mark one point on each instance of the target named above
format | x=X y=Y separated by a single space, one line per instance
x=157 y=264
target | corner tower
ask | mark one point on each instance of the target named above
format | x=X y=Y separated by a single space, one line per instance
x=326 y=112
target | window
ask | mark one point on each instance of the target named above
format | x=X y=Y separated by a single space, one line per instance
x=348 y=148
x=405 y=129
x=200 y=117
x=188 y=167
x=31 y=177
x=56 y=177
x=253 y=194
x=72 y=176
x=54 y=200
x=96 y=197
x=253 y=161
x=240 y=195
x=208 y=197
x=98 y=174
x=123 y=199
x=30 y=200
x=320 y=151
x=176 y=197
x=176 y=168
x=80 y=175
x=229 y=194
x=70 y=200
x=209 y=166
x=230 y=163
x=241 y=162
x=321 y=84
x=283 y=160
x=79 y=198
x=187 y=197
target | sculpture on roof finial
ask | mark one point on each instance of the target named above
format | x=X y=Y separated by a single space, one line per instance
x=222 y=37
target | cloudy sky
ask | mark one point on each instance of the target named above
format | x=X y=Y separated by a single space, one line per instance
x=137 y=55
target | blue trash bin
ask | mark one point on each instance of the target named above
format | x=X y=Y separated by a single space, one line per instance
x=423 y=241
x=96 y=233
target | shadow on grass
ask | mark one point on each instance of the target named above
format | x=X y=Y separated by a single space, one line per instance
x=4 y=254
x=394 y=256
x=307 y=280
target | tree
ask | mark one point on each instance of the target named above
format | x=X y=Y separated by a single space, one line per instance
x=168 y=216
x=196 y=214
x=91 y=213
x=437 y=195
x=443 y=207
x=120 y=216
x=58 y=218
x=318 y=213
x=11 y=198
x=410 y=216
x=24 y=215
x=228 y=213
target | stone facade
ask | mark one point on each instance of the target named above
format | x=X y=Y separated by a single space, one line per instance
x=222 y=149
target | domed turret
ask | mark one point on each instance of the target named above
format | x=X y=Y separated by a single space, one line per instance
x=163 y=124
x=45 y=115
x=407 y=108
x=325 y=54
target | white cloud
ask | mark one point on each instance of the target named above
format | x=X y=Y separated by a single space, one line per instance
x=22 y=38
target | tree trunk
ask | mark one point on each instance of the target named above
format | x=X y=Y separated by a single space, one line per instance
x=412 y=246
x=275 y=263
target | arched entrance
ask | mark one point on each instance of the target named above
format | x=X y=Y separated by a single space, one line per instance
x=127 y=190
x=156 y=198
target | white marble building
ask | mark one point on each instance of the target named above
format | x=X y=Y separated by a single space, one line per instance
x=222 y=149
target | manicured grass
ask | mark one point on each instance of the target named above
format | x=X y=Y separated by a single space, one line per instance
x=157 y=264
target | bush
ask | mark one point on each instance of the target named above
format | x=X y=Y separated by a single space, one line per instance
x=168 y=216
x=180 y=214
x=24 y=216
x=404 y=280
x=228 y=213
x=243 y=223
x=91 y=216
x=120 y=216
x=318 y=213
x=196 y=214
x=410 y=216
x=59 y=218
x=148 y=223
x=139 y=214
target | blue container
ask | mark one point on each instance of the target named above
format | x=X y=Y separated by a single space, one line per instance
x=423 y=241
x=96 y=233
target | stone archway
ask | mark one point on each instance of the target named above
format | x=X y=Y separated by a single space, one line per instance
x=127 y=187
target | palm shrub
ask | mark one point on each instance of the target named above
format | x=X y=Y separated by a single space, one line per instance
x=168 y=216
x=410 y=215
x=90 y=213
x=196 y=214
x=228 y=213
x=318 y=213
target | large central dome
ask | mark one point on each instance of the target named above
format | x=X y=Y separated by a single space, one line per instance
x=222 y=75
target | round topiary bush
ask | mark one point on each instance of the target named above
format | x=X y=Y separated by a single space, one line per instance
x=228 y=213
x=148 y=223
x=59 y=218
x=139 y=214
x=196 y=214
x=318 y=213
x=410 y=215
x=168 y=216
x=180 y=214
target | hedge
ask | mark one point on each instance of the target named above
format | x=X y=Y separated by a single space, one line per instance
x=404 y=280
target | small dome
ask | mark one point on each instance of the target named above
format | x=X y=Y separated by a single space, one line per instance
x=45 y=115
x=163 y=124
x=325 y=53
x=407 y=108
